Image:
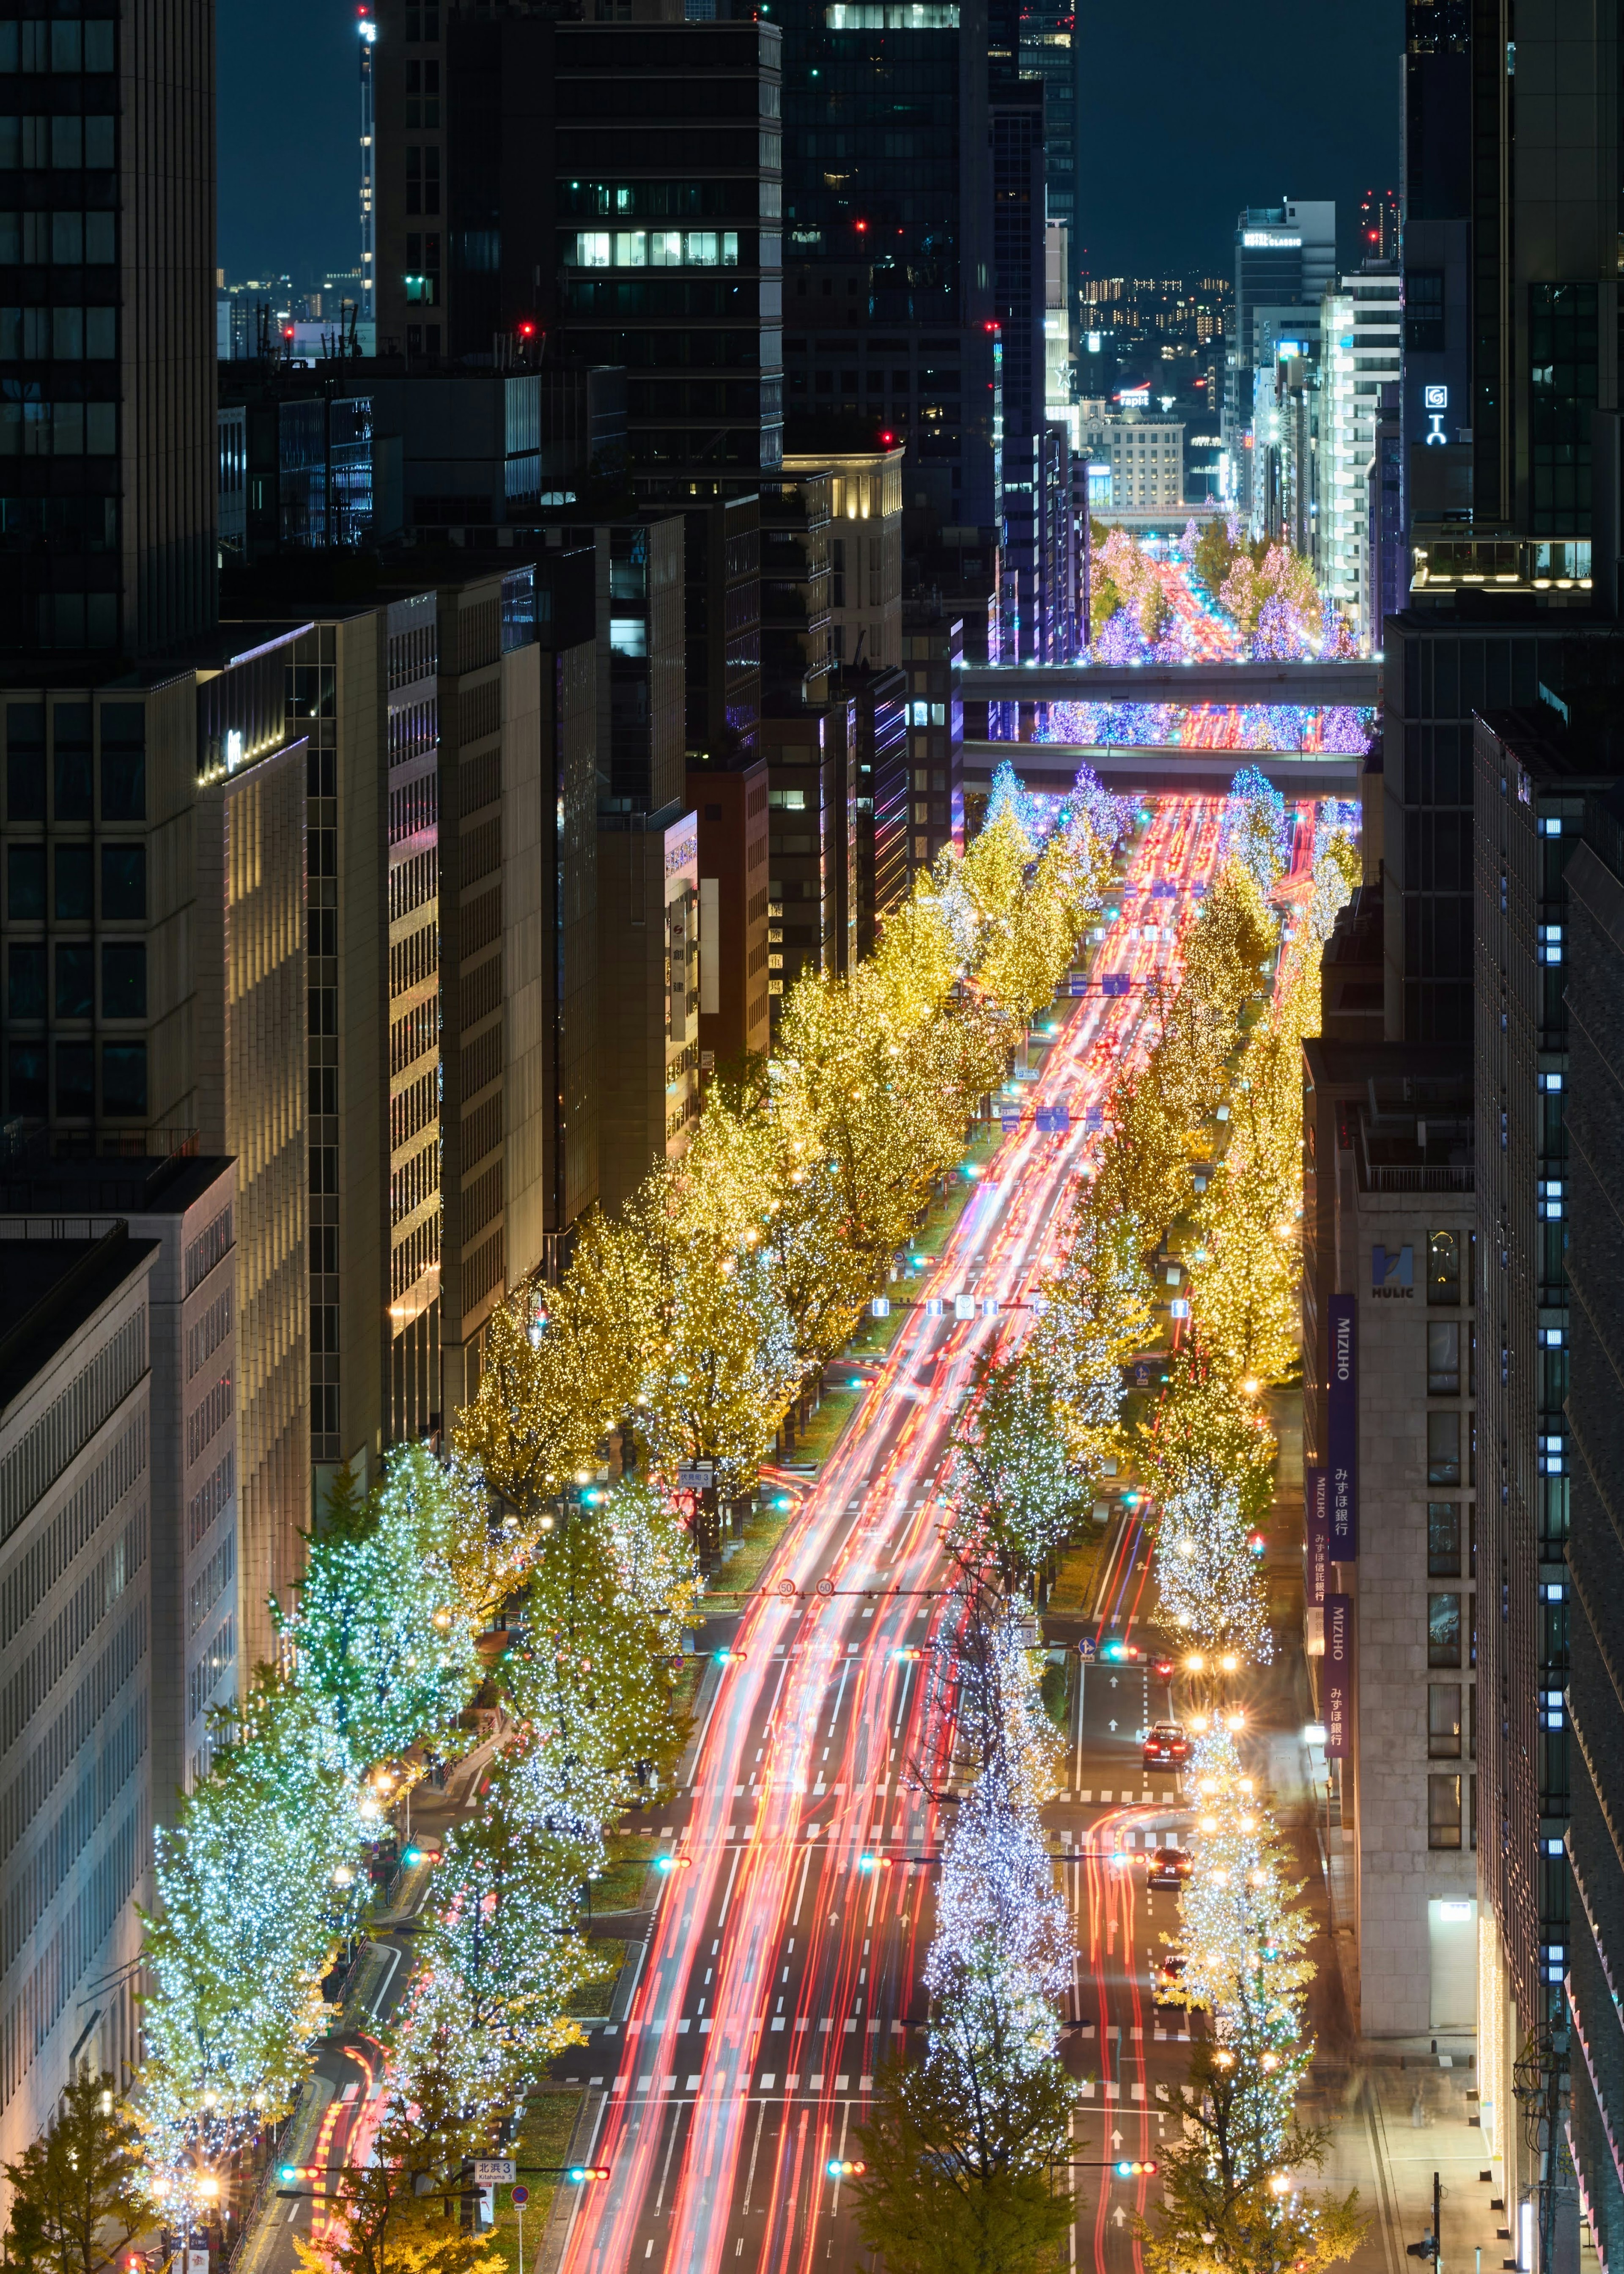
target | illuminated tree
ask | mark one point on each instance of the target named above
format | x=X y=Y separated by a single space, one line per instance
x=498 y=1961
x=720 y=1364
x=1255 y=829
x=592 y=1685
x=400 y=2212
x=960 y=2183
x=1097 y=1316
x=1231 y=2201
x=1234 y=2199
x=256 y=1883
x=558 y=1374
x=384 y=1634
x=1015 y=1494
x=77 y=2191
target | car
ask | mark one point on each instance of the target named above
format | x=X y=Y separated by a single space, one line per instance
x=1169 y=1867
x=1166 y=1980
x=1167 y=1976
x=1166 y=1746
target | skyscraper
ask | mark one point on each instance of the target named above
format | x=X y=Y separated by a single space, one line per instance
x=1285 y=256
x=108 y=330
x=889 y=310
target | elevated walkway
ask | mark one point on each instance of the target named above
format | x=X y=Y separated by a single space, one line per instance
x=1357 y=684
x=1162 y=768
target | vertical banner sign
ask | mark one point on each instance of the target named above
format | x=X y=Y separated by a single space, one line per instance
x=1317 y=1526
x=1342 y=1426
x=1338 y=1676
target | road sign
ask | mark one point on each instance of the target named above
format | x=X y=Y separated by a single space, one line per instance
x=963 y=1306
x=1087 y=1649
x=494 y=2171
x=520 y=2197
x=1114 y=982
x=1054 y=1120
x=696 y=1476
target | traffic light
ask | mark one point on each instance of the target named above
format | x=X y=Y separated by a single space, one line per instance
x=1257 y=1543
x=673 y=1863
x=1119 y=1654
x=580 y=2173
x=907 y=1651
x=874 y=1863
x=725 y=1657
x=838 y=2168
x=1427 y=2247
x=1132 y=2171
x=413 y=1854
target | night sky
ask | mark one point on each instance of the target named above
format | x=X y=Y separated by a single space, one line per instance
x=1195 y=109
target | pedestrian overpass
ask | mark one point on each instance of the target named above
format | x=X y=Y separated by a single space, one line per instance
x=1162 y=768
x=1313 y=686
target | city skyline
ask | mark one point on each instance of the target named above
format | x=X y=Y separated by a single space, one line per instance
x=288 y=112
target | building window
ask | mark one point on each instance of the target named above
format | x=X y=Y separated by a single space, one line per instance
x=1562 y=349
x=123 y=880
x=123 y=981
x=1443 y=1266
x=123 y=1078
x=25 y=982
x=1443 y=1357
x=75 y=979
x=1443 y=1539
x=1443 y=1449
x=1443 y=1630
x=1443 y=1721
x=1443 y=1812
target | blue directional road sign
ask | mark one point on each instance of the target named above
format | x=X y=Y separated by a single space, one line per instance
x=1056 y=1120
x=1114 y=982
x=1087 y=1649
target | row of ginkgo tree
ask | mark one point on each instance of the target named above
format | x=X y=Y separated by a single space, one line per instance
x=688 y=1324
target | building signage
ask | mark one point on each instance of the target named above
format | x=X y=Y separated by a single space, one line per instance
x=1342 y=1426
x=1269 y=240
x=1337 y=1681
x=1317 y=1526
x=1393 y=1274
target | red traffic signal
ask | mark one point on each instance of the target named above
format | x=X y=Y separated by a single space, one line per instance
x=581 y=2172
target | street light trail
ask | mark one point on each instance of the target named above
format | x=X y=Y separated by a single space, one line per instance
x=821 y=1675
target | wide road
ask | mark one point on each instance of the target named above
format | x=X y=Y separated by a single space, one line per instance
x=778 y=1972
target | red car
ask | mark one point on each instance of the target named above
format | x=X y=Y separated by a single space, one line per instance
x=1166 y=1746
x=1169 y=1867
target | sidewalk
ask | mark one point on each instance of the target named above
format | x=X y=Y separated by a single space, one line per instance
x=1391 y=2129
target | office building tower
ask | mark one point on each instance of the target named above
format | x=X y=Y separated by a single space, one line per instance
x=367 y=31
x=888 y=290
x=76 y=1434
x=1393 y=1564
x=1059 y=310
x=865 y=553
x=1379 y=225
x=616 y=187
x=453 y=943
x=1142 y=457
x=1051 y=51
x=1285 y=256
x=1386 y=555
x=247 y=1040
x=934 y=642
x=1536 y=777
x=1360 y=335
x=730 y=803
x=1436 y=403
x=1593 y=968
x=186 y=1454
x=109 y=380
x=879 y=799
